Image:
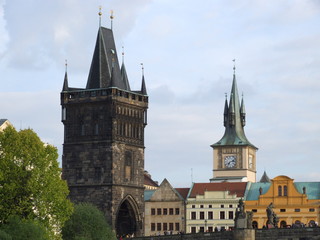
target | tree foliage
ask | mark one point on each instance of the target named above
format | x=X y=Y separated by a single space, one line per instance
x=87 y=223
x=30 y=181
x=18 y=229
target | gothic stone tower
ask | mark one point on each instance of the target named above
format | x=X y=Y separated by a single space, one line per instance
x=103 y=150
x=234 y=156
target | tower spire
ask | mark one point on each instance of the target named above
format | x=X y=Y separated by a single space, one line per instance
x=124 y=75
x=143 y=84
x=65 y=82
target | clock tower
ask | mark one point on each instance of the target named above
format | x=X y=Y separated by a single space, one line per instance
x=234 y=156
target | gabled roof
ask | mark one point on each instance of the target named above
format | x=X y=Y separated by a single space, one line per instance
x=148 y=194
x=166 y=193
x=237 y=188
x=234 y=121
x=104 y=59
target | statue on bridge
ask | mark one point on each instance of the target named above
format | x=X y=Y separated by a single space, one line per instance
x=243 y=219
x=273 y=219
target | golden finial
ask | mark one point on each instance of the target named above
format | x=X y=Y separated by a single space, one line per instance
x=234 y=66
x=122 y=53
x=66 y=64
x=111 y=17
x=142 y=68
x=100 y=14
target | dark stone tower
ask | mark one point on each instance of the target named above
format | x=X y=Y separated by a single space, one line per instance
x=103 y=150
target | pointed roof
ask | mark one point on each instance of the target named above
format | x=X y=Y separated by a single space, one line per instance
x=124 y=77
x=166 y=193
x=265 y=178
x=234 y=132
x=65 y=83
x=143 y=86
x=101 y=65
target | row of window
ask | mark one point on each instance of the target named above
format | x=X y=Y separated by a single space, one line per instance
x=284 y=210
x=210 y=215
x=129 y=112
x=165 y=211
x=129 y=130
x=210 y=206
x=282 y=191
x=165 y=226
x=208 y=229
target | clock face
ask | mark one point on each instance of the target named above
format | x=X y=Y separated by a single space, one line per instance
x=230 y=161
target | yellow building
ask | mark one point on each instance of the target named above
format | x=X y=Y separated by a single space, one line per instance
x=295 y=203
x=4 y=123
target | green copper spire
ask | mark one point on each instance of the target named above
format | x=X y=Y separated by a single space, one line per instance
x=234 y=120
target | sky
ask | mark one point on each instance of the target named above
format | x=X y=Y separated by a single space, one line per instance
x=187 y=48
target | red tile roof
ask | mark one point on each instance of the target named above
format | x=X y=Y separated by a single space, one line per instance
x=183 y=192
x=233 y=187
x=148 y=181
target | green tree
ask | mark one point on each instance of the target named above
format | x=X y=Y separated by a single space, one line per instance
x=30 y=181
x=18 y=229
x=87 y=223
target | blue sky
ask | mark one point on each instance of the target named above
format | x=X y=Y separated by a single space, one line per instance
x=187 y=49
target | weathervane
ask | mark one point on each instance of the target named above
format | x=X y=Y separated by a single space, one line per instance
x=234 y=66
x=66 y=64
x=142 y=68
x=122 y=53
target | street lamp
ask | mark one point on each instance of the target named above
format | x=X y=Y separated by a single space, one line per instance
x=205 y=225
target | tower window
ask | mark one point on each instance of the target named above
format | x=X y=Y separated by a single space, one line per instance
x=128 y=168
x=279 y=190
x=83 y=130
x=64 y=114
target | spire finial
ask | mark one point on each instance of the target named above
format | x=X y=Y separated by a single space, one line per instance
x=234 y=66
x=100 y=14
x=226 y=95
x=66 y=64
x=142 y=68
x=111 y=17
x=122 y=53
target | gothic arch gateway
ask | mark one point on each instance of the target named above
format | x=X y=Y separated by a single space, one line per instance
x=127 y=218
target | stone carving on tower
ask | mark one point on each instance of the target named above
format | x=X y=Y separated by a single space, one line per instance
x=103 y=150
x=234 y=156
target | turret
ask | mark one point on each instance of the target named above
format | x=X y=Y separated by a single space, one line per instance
x=243 y=113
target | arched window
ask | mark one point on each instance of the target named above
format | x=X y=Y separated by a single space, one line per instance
x=285 y=191
x=254 y=224
x=279 y=190
x=283 y=224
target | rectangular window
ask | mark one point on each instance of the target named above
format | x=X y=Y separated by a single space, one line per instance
x=210 y=206
x=193 y=230
x=177 y=226
x=201 y=229
x=165 y=226
x=222 y=206
x=158 y=226
x=193 y=206
x=170 y=226
x=210 y=229
x=165 y=211
x=177 y=211
x=193 y=215
x=158 y=211
x=254 y=210
x=210 y=215
x=201 y=215
x=153 y=211
x=282 y=210
x=222 y=215
x=153 y=226
x=201 y=206
x=230 y=214
x=311 y=209
x=230 y=206
x=297 y=210
x=170 y=211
